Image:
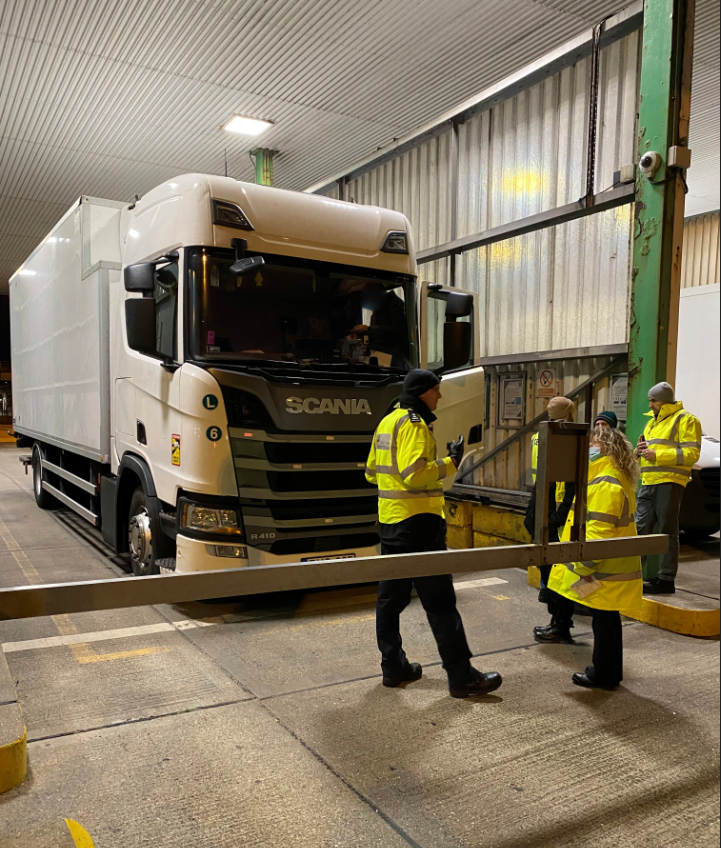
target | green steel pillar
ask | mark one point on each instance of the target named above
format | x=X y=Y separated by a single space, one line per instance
x=263 y=165
x=667 y=58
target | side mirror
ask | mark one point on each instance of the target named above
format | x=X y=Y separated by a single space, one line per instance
x=457 y=344
x=243 y=267
x=140 y=278
x=459 y=305
x=140 y=324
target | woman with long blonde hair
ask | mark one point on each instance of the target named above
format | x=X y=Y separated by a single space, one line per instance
x=612 y=586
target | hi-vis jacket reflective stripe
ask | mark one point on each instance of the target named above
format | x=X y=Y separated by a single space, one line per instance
x=560 y=487
x=676 y=437
x=403 y=464
x=611 y=507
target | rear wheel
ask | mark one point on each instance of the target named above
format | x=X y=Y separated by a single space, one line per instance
x=42 y=498
x=141 y=535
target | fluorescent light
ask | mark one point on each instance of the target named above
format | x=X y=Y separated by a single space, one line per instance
x=26 y=272
x=247 y=126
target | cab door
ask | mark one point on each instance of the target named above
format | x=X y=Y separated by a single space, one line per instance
x=462 y=408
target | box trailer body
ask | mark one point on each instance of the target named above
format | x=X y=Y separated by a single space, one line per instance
x=206 y=417
x=60 y=331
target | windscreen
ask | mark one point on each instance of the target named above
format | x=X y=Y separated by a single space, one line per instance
x=301 y=312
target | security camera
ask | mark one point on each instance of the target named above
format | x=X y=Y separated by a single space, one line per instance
x=649 y=164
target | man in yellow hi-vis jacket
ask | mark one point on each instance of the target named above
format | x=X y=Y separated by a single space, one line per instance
x=403 y=463
x=668 y=449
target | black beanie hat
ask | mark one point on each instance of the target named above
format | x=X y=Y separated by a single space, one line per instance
x=418 y=382
x=609 y=417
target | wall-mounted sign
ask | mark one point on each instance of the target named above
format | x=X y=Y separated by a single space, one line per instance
x=619 y=395
x=512 y=397
x=547 y=383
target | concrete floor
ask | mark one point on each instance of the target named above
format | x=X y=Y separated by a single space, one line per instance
x=264 y=723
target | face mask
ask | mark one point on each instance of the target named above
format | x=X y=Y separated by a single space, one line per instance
x=594 y=454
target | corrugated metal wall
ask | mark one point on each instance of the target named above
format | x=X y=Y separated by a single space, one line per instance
x=512 y=468
x=559 y=288
x=701 y=251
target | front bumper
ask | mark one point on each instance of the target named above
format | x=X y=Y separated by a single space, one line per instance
x=194 y=555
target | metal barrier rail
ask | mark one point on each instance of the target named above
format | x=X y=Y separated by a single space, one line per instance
x=66 y=598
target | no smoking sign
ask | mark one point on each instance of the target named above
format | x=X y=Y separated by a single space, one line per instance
x=547 y=383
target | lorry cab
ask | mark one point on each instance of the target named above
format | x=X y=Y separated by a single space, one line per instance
x=249 y=340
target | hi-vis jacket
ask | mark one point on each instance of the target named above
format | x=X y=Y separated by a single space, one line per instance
x=611 y=507
x=403 y=464
x=560 y=487
x=676 y=437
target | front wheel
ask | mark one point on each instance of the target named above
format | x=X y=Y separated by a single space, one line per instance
x=140 y=536
x=42 y=498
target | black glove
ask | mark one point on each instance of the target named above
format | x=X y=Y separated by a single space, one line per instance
x=456 y=450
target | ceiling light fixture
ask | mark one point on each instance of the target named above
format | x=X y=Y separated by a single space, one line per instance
x=247 y=126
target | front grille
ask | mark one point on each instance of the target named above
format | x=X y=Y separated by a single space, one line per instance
x=317 y=481
x=711 y=479
x=324 y=544
x=299 y=453
x=323 y=508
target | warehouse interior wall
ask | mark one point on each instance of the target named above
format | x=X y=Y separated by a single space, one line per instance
x=554 y=289
x=701 y=241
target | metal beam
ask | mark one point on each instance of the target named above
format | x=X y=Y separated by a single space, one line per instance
x=658 y=229
x=69 y=598
x=540 y=221
x=625 y=22
x=551 y=355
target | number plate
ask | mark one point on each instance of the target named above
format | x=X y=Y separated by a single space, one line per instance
x=328 y=558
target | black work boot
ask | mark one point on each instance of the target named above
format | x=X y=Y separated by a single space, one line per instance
x=556 y=633
x=659 y=587
x=586 y=680
x=477 y=684
x=411 y=673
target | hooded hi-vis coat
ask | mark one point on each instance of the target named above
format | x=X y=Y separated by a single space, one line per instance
x=675 y=435
x=611 y=507
x=403 y=464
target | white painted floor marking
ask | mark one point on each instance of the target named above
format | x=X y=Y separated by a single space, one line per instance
x=479 y=584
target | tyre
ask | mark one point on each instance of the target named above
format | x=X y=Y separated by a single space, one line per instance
x=141 y=536
x=42 y=498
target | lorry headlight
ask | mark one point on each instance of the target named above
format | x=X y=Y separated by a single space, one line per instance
x=206 y=519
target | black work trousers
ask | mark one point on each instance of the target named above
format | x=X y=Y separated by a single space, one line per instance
x=607 y=668
x=659 y=506
x=437 y=595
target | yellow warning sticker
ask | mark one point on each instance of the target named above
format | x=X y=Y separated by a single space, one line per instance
x=175 y=449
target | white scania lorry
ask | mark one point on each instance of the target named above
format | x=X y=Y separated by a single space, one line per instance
x=199 y=374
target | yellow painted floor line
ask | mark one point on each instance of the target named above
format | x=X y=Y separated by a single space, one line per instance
x=700 y=623
x=123 y=655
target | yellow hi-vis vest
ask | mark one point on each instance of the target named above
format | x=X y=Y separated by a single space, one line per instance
x=611 y=507
x=403 y=464
x=560 y=487
x=676 y=437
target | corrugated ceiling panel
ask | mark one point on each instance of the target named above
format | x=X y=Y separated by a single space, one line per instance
x=151 y=83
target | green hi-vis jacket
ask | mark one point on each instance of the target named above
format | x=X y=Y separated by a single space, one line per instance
x=403 y=464
x=611 y=507
x=560 y=487
x=675 y=435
